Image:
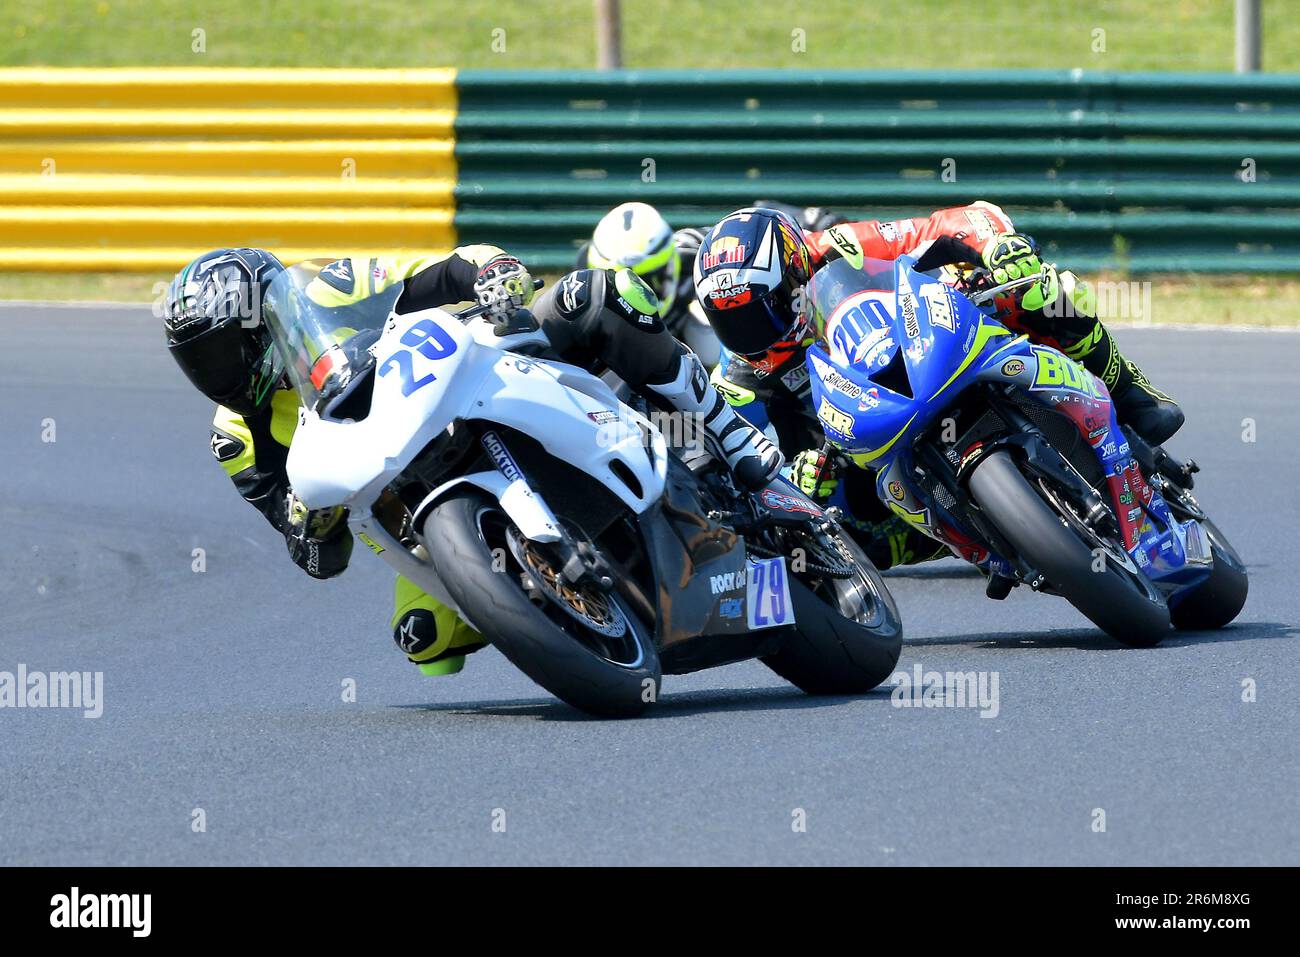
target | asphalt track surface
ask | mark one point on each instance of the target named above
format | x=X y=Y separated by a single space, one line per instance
x=223 y=689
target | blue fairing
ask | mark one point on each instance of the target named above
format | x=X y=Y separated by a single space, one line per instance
x=890 y=353
x=897 y=349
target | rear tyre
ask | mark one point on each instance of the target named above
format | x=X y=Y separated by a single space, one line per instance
x=602 y=674
x=847 y=634
x=1119 y=601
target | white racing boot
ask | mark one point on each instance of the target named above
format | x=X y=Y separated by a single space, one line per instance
x=754 y=461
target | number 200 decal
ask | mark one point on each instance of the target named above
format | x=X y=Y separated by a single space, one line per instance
x=431 y=341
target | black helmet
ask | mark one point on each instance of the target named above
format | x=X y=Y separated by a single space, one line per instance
x=749 y=269
x=215 y=330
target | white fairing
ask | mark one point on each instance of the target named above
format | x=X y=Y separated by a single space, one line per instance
x=349 y=463
x=575 y=415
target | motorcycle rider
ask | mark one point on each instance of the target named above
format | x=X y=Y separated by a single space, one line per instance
x=754 y=264
x=216 y=334
x=636 y=236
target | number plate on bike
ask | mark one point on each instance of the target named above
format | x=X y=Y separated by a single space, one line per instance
x=768 y=594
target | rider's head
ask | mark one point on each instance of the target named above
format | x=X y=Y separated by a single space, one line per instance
x=215 y=332
x=749 y=276
x=635 y=236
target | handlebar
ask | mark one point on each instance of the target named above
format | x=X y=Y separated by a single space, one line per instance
x=985 y=295
x=980 y=294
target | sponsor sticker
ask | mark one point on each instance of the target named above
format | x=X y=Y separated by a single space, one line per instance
x=939 y=303
x=911 y=325
x=727 y=582
x=881 y=353
x=731 y=608
x=725 y=292
x=833 y=380
x=726 y=250
x=796 y=378
x=1056 y=371
x=835 y=420
x=788 y=503
x=500 y=456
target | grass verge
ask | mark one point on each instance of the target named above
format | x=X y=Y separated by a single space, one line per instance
x=528 y=34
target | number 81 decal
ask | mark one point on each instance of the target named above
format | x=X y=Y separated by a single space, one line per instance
x=427 y=338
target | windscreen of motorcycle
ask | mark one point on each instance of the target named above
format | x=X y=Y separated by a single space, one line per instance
x=852 y=311
x=325 y=321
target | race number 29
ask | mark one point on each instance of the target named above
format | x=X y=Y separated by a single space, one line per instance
x=431 y=341
x=768 y=594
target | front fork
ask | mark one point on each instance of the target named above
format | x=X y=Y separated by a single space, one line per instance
x=1046 y=462
x=1042 y=460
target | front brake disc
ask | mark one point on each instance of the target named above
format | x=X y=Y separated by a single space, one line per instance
x=587 y=604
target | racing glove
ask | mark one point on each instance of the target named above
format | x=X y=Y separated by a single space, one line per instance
x=1011 y=256
x=503 y=287
x=816 y=473
x=318 y=539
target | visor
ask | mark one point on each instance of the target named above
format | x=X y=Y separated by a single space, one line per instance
x=752 y=328
x=218 y=363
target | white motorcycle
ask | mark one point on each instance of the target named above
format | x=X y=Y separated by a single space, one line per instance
x=555 y=518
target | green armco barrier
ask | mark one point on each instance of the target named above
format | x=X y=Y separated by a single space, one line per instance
x=1133 y=172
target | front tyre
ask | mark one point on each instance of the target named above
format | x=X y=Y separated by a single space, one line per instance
x=1217 y=600
x=596 y=655
x=1115 y=600
x=847 y=634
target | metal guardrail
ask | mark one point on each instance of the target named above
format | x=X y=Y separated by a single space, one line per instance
x=1139 y=172
x=142 y=169
x=138 y=169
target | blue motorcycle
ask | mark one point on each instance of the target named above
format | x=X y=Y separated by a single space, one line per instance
x=1010 y=453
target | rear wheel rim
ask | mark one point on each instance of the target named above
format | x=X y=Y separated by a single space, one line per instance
x=856 y=597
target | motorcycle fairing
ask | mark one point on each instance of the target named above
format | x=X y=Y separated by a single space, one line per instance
x=701 y=584
x=896 y=358
x=343 y=462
